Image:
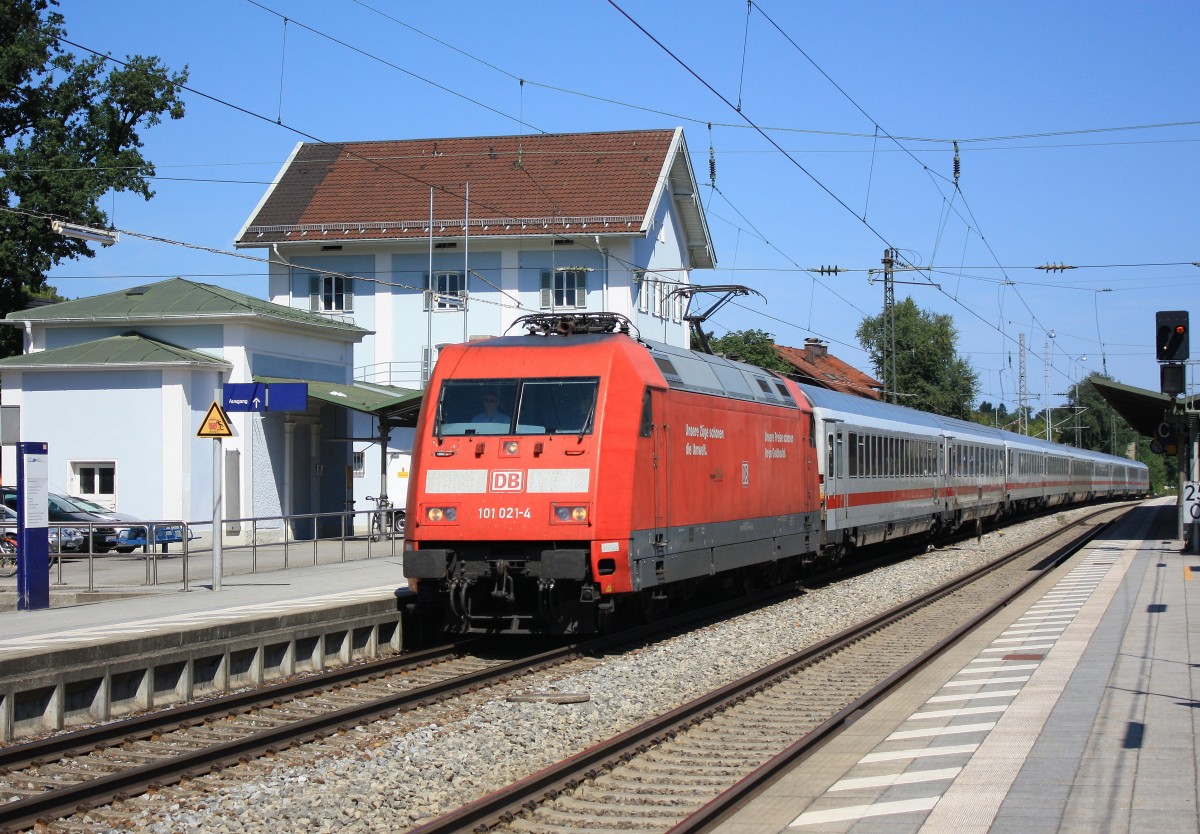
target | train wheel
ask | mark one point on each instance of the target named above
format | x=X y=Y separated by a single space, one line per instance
x=652 y=603
x=834 y=556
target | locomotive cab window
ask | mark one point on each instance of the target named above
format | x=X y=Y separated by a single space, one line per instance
x=517 y=406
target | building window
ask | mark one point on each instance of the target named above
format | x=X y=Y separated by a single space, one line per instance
x=639 y=278
x=330 y=293
x=447 y=291
x=564 y=288
x=96 y=481
x=360 y=464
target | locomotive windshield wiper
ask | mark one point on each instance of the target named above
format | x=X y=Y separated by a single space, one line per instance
x=586 y=421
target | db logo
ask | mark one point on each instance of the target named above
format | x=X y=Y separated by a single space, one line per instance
x=507 y=480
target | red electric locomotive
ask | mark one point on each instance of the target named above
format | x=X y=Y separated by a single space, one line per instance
x=567 y=475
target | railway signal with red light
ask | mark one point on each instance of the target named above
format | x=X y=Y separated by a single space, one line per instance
x=1171 y=335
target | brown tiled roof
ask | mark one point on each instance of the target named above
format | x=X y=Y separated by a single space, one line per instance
x=519 y=185
x=816 y=365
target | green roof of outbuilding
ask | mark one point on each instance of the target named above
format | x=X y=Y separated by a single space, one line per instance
x=129 y=350
x=175 y=298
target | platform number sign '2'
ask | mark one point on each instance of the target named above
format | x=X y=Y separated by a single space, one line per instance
x=1191 y=502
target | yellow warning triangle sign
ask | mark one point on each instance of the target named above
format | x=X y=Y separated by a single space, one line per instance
x=215 y=424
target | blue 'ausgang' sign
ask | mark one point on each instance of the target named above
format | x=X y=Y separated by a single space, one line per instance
x=245 y=396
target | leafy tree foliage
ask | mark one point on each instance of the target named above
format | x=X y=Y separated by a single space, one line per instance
x=930 y=374
x=69 y=132
x=1092 y=423
x=755 y=347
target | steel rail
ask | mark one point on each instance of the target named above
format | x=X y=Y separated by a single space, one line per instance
x=189 y=764
x=505 y=805
x=730 y=800
x=92 y=793
x=86 y=740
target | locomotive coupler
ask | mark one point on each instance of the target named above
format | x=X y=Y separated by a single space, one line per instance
x=545 y=599
x=505 y=587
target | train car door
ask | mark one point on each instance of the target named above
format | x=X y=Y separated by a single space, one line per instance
x=654 y=425
x=832 y=498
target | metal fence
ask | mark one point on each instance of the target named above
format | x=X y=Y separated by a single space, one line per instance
x=168 y=552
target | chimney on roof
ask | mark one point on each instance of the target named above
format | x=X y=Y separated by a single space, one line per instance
x=815 y=348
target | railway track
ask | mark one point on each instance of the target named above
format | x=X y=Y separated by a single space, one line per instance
x=683 y=770
x=61 y=775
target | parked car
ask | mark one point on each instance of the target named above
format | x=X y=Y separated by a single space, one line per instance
x=62 y=509
x=62 y=539
x=127 y=537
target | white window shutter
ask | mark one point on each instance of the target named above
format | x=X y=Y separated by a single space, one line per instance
x=547 y=290
x=348 y=295
x=581 y=289
x=314 y=292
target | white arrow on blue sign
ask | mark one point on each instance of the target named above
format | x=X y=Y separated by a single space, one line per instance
x=245 y=396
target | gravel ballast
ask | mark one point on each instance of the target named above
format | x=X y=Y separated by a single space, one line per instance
x=392 y=776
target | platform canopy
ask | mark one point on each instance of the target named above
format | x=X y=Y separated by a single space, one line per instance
x=399 y=406
x=1142 y=409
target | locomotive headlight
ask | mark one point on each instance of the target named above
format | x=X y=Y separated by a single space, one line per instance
x=441 y=514
x=569 y=514
x=511 y=447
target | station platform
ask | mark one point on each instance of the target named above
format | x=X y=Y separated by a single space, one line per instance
x=143 y=611
x=1075 y=710
x=65 y=666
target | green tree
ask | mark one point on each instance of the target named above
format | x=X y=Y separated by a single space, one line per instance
x=1092 y=423
x=929 y=373
x=69 y=133
x=755 y=347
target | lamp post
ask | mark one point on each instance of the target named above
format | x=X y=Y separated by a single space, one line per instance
x=1049 y=364
x=102 y=236
x=1076 y=364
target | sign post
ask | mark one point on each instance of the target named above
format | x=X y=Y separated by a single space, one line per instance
x=216 y=426
x=1191 y=502
x=33 y=519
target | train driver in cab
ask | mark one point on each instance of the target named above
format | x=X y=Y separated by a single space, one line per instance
x=491 y=412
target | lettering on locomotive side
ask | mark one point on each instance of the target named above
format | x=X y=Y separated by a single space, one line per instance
x=704 y=433
x=775 y=452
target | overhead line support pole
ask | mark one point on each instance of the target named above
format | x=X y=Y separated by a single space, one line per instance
x=889 y=324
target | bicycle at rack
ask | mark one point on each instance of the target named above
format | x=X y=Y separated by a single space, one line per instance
x=8 y=555
x=386 y=520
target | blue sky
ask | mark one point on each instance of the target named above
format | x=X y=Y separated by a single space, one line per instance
x=1078 y=126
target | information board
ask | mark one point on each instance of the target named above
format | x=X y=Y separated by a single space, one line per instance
x=35 y=489
x=33 y=519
